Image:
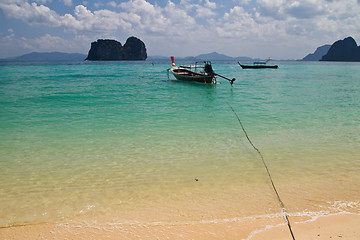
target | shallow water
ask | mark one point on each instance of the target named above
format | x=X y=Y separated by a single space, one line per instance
x=122 y=141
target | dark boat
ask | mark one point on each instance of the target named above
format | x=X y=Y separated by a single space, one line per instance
x=257 y=65
x=200 y=72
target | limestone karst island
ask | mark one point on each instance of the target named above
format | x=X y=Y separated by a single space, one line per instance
x=112 y=50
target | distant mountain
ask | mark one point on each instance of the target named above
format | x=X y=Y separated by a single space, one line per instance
x=318 y=54
x=343 y=50
x=48 y=56
x=157 y=57
x=60 y=56
x=214 y=56
x=245 y=59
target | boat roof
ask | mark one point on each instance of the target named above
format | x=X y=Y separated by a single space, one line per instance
x=191 y=66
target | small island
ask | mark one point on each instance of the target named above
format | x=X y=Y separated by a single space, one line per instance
x=343 y=50
x=318 y=54
x=112 y=50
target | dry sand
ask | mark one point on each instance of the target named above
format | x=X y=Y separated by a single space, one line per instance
x=340 y=226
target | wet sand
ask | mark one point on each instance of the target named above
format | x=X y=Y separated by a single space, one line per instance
x=340 y=226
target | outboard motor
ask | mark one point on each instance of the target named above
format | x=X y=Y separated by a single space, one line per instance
x=208 y=69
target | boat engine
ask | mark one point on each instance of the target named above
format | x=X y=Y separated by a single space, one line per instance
x=208 y=69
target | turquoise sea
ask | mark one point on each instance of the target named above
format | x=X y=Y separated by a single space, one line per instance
x=122 y=142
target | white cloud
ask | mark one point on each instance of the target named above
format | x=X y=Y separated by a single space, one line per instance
x=81 y=20
x=197 y=24
x=209 y=4
x=292 y=18
x=112 y=4
x=305 y=9
x=136 y=15
x=43 y=1
x=203 y=12
x=207 y=10
x=30 y=13
x=68 y=2
x=202 y=9
x=97 y=4
x=47 y=43
x=147 y=17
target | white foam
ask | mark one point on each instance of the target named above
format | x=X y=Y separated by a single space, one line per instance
x=334 y=208
x=87 y=208
x=339 y=206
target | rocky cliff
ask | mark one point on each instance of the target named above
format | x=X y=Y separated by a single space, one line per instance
x=343 y=50
x=111 y=50
x=318 y=54
x=134 y=49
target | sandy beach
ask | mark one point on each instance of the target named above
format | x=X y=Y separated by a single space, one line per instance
x=343 y=226
x=90 y=152
x=340 y=226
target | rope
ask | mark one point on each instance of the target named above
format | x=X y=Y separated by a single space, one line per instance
x=283 y=208
x=267 y=170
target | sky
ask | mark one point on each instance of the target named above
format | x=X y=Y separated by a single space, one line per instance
x=280 y=29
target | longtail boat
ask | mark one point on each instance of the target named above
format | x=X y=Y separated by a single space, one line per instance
x=257 y=65
x=194 y=73
x=200 y=72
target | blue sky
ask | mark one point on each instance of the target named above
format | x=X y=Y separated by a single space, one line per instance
x=280 y=29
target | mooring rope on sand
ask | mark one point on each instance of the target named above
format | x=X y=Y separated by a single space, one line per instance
x=283 y=208
x=267 y=170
